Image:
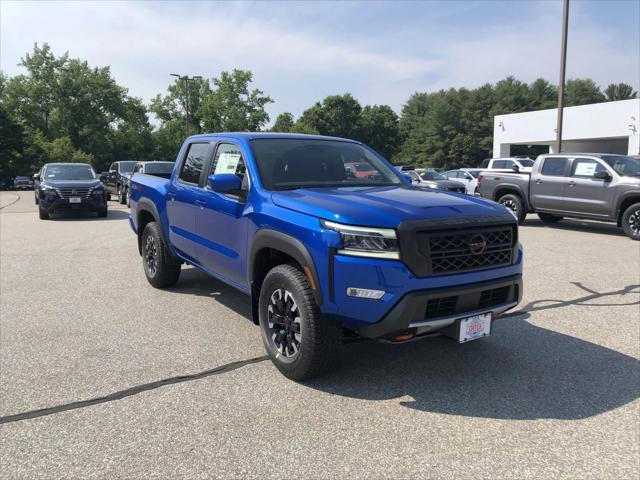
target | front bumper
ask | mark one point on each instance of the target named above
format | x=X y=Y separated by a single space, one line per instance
x=51 y=204
x=427 y=311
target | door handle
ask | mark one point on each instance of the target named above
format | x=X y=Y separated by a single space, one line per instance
x=171 y=196
x=571 y=183
x=200 y=203
x=538 y=181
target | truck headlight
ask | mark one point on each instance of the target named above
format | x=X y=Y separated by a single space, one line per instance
x=366 y=241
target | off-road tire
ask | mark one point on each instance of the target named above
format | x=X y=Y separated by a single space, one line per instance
x=161 y=273
x=631 y=221
x=548 y=218
x=514 y=203
x=122 y=195
x=320 y=338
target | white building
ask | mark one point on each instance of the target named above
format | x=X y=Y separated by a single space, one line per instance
x=611 y=127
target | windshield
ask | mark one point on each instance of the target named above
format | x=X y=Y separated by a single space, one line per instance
x=69 y=172
x=432 y=175
x=525 y=162
x=158 y=167
x=290 y=163
x=127 y=167
x=474 y=173
x=623 y=165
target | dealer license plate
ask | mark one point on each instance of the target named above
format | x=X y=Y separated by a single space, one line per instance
x=75 y=200
x=472 y=328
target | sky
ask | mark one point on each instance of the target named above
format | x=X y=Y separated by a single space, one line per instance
x=300 y=52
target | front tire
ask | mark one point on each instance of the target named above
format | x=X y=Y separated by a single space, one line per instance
x=122 y=195
x=514 y=203
x=159 y=272
x=631 y=221
x=43 y=214
x=548 y=218
x=299 y=342
x=102 y=213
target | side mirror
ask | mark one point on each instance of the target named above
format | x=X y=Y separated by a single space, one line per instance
x=515 y=168
x=603 y=175
x=224 y=182
x=36 y=177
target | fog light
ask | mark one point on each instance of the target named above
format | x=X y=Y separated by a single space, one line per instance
x=365 y=293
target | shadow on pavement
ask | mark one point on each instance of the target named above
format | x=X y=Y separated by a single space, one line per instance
x=575 y=225
x=70 y=215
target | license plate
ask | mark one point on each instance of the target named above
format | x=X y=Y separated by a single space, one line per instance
x=75 y=200
x=472 y=328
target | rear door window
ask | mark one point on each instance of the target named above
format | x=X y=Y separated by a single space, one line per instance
x=194 y=162
x=554 y=166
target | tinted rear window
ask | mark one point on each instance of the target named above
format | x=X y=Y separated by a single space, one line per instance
x=554 y=166
x=194 y=163
x=158 y=168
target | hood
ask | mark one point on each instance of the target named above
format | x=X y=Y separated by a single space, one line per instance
x=384 y=206
x=72 y=183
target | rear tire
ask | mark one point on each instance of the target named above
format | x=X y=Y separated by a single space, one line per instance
x=514 y=203
x=631 y=221
x=42 y=214
x=159 y=272
x=299 y=342
x=122 y=195
x=548 y=218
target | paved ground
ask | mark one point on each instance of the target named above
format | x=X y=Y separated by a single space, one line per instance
x=553 y=393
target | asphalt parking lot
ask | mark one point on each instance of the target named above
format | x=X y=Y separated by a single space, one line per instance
x=178 y=386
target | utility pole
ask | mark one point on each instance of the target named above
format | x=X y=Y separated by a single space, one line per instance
x=563 y=67
x=186 y=80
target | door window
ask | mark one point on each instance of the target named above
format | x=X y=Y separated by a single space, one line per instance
x=228 y=159
x=194 y=162
x=586 y=167
x=554 y=166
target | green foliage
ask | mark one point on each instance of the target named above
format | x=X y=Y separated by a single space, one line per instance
x=620 y=91
x=379 y=129
x=337 y=115
x=70 y=111
x=284 y=123
x=582 y=92
x=62 y=109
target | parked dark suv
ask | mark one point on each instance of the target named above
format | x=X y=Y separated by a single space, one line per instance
x=118 y=177
x=69 y=186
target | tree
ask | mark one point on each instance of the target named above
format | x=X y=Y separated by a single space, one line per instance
x=11 y=145
x=336 y=115
x=619 y=91
x=284 y=123
x=582 y=92
x=542 y=95
x=68 y=108
x=379 y=129
x=232 y=107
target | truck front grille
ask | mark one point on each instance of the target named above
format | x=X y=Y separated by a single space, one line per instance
x=458 y=252
x=438 y=307
x=447 y=306
x=82 y=192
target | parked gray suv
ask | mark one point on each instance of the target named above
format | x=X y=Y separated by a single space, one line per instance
x=595 y=186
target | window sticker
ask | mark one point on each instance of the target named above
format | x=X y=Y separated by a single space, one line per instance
x=585 y=169
x=227 y=162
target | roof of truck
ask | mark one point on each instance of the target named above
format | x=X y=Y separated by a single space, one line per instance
x=256 y=135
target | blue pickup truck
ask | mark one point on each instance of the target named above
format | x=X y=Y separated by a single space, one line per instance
x=322 y=254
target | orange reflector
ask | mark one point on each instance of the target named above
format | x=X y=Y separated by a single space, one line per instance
x=403 y=338
x=307 y=270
